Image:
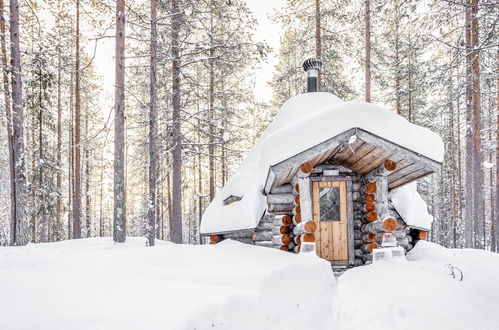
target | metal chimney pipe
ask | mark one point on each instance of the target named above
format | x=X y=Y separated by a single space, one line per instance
x=312 y=66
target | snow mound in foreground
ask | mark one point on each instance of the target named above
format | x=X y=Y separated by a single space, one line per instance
x=95 y=284
x=421 y=293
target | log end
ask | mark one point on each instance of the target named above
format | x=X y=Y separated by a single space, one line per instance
x=310 y=227
x=369 y=197
x=372 y=216
x=306 y=167
x=297 y=188
x=423 y=235
x=214 y=239
x=371 y=187
x=284 y=230
x=370 y=206
x=286 y=220
x=297 y=218
x=308 y=237
x=371 y=247
x=286 y=239
x=284 y=248
x=390 y=165
x=371 y=237
x=390 y=224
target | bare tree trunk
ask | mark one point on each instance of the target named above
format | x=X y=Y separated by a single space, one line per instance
x=58 y=183
x=367 y=19
x=88 y=224
x=318 y=39
x=8 y=122
x=70 y=159
x=469 y=198
x=176 y=220
x=119 y=228
x=77 y=135
x=151 y=206
x=478 y=191
x=21 y=222
x=211 y=140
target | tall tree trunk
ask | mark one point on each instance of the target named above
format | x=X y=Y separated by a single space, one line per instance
x=58 y=182
x=71 y=150
x=119 y=228
x=8 y=123
x=478 y=191
x=21 y=222
x=469 y=163
x=211 y=140
x=367 y=19
x=88 y=219
x=176 y=220
x=151 y=206
x=77 y=134
x=318 y=38
x=496 y=217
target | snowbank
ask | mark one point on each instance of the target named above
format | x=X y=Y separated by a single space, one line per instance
x=303 y=122
x=421 y=293
x=411 y=207
x=94 y=284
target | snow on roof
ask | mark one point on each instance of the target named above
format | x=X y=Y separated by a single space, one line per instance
x=303 y=122
x=411 y=207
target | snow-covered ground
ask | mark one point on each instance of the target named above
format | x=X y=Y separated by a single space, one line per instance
x=420 y=293
x=94 y=284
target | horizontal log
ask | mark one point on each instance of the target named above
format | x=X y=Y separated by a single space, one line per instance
x=305 y=169
x=423 y=235
x=371 y=216
x=262 y=235
x=378 y=238
x=357 y=234
x=265 y=226
x=297 y=249
x=288 y=208
x=239 y=234
x=280 y=198
x=357 y=224
x=268 y=217
x=296 y=209
x=355 y=186
x=358 y=262
x=383 y=170
x=305 y=227
x=284 y=239
x=265 y=243
x=297 y=240
x=284 y=248
x=296 y=188
x=284 y=189
x=282 y=220
x=358 y=253
x=369 y=206
x=355 y=195
x=297 y=199
x=214 y=239
x=380 y=226
x=357 y=243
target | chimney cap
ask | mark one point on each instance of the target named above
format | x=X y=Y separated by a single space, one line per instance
x=312 y=63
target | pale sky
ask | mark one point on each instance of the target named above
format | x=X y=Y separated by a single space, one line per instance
x=266 y=31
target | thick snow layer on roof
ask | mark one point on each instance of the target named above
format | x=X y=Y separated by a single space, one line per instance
x=411 y=207
x=303 y=122
x=90 y=284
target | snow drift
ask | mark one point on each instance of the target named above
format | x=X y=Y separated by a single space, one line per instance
x=95 y=284
x=421 y=293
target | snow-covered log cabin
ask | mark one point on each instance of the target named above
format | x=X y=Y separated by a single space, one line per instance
x=329 y=175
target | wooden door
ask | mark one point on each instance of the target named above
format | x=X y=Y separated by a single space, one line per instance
x=329 y=201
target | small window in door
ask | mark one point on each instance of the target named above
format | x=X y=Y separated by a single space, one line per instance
x=329 y=202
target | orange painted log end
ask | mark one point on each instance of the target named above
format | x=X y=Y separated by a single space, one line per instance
x=297 y=199
x=390 y=224
x=370 y=206
x=298 y=217
x=369 y=197
x=423 y=235
x=297 y=188
x=286 y=239
x=372 y=246
x=306 y=167
x=310 y=227
x=298 y=240
x=390 y=165
x=372 y=216
x=286 y=220
x=214 y=239
x=284 y=230
x=284 y=248
x=308 y=237
x=371 y=237
x=371 y=187
x=297 y=209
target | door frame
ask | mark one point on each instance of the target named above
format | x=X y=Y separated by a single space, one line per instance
x=350 y=225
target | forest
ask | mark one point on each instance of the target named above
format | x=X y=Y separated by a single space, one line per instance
x=142 y=151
